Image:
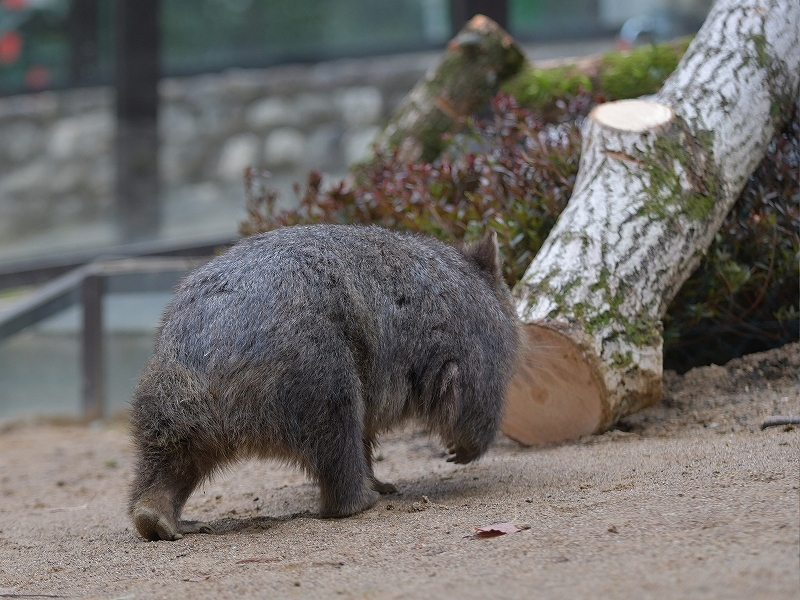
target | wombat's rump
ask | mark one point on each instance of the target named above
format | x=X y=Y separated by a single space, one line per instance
x=304 y=344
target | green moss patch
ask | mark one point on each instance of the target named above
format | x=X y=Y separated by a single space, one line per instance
x=617 y=75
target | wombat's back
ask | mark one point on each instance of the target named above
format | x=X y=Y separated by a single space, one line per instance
x=401 y=304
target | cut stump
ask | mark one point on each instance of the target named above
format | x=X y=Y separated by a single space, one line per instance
x=556 y=395
x=467 y=75
x=655 y=182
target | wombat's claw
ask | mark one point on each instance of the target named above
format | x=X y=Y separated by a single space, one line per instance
x=383 y=487
x=194 y=527
x=153 y=526
x=462 y=457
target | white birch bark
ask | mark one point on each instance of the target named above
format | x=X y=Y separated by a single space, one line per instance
x=655 y=182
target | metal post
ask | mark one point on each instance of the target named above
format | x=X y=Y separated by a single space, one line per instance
x=83 y=41
x=93 y=364
x=136 y=77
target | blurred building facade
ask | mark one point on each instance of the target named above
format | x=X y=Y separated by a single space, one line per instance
x=283 y=85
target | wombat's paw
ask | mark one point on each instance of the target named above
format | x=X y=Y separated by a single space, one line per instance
x=152 y=526
x=368 y=500
x=462 y=456
x=194 y=527
x=382 y=487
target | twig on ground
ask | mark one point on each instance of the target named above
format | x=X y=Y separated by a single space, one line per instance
x=778 y=420
x=8 y=594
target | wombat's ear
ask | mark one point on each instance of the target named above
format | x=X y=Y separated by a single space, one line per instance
x=486 y=255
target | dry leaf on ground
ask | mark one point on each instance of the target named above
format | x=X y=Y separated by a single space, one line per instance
x=488 y=531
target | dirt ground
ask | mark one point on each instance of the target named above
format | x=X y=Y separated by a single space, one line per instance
x=688 y=499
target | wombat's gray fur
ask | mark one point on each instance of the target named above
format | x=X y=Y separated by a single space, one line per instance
x=304 y=344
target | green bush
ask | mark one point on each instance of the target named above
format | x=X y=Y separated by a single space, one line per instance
x=540 y=89
x=511 y=172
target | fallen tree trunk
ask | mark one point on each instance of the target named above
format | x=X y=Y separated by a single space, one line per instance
x=655 y=182
x=466 y=76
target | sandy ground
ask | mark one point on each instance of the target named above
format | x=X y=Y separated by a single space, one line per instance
x=688 y=499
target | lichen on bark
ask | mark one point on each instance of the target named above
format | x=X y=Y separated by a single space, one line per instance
x=678 y=175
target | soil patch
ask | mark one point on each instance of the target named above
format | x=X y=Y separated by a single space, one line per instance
x=687 y=499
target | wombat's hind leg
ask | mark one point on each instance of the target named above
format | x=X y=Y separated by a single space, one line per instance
x=153 y=526
x=157 y=498
x=195 y=527
x=345 y=485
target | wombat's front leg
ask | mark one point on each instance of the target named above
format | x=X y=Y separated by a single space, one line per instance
x=345 y=484
x=461 y=456
x=338 y=462
x=379 y=486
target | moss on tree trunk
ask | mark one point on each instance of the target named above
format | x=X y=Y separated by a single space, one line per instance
x=476 y=62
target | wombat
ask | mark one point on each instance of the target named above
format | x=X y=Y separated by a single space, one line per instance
x=304 y=344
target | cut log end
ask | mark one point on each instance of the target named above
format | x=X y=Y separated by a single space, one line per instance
x=555 y=395
x=481 y=22
x=632 y=115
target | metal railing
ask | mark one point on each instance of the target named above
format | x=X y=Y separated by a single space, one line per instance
x=86 y=285
x=35 y=271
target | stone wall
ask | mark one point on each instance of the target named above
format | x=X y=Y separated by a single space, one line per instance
x=55 y=162
x=56 y=167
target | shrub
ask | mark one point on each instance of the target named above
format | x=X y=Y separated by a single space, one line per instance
x=512 y=172
x=744 y=295
x=541 y=89
x=515 y=172
x=640 y=71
